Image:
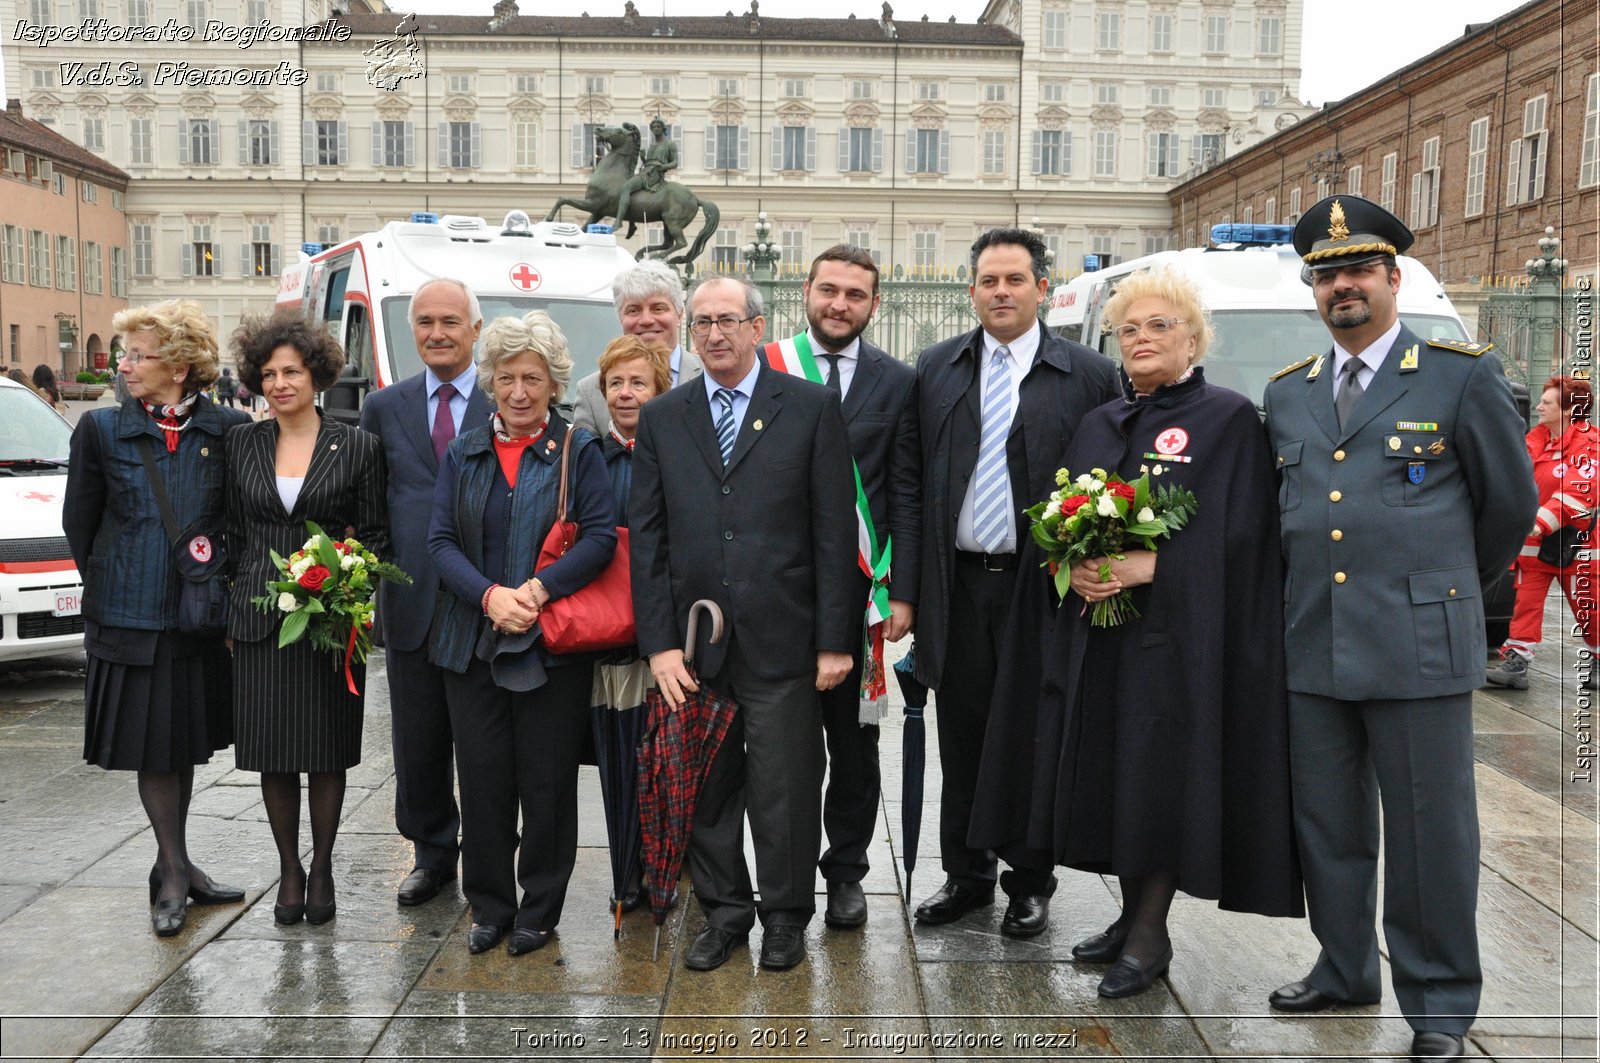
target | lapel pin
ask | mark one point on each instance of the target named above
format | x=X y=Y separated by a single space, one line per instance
x=333 y=446
x=205 y=452
x=550 y=446
x=1409 y=360
x=1436 y=447
x=1394 y=442
x=758 y=425
x=1315 y=369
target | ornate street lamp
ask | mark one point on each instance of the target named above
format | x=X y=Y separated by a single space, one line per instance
x=1544 y=288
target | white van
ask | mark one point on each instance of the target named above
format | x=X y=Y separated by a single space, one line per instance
x=1263 y=313
x=360 y=288
x=41 y=594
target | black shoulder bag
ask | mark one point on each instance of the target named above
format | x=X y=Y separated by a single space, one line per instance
x=1560 y=548
x=198 y=556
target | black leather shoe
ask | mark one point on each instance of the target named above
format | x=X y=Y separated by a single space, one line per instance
x=483 y=937
x=423 y=885
x=952 y=902
x=783 y=946
x=1301 y=997
x=204 y=891
x=1434 y=1045
x=524 y=941
x=1026 y=916
x=288 y=914
x=317 y=914
x=711 y=949
x=168 y=917
x=847 y=906
x=1104 y=947
x=1128 y=976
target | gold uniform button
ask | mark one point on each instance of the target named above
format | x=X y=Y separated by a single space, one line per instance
x=1452 y=592
x=1338 y=455
x=1337 y=535
x=1335 y=496
x=1338 y=577
x=1417 y=449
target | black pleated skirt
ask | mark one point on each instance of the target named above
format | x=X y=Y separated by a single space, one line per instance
x=292 y=710
x=168 y=715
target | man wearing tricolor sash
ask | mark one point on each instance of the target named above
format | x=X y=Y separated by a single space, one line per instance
x=878 y=394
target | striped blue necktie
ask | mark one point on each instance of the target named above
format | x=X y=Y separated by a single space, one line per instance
x=725 y=431
x=992 y=493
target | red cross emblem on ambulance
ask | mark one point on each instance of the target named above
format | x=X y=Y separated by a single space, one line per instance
x=1172 y=441
x=525 y=277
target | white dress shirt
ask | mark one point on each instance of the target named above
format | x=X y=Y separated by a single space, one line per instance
x=458 y=403
x=847 y=361
x=1371 y=359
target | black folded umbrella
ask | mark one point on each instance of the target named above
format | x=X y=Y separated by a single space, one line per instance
x=913 y=759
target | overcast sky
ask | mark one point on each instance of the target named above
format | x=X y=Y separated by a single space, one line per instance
x=1361 y=40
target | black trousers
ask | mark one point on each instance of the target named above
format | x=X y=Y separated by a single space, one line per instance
x=850 y=802
x=518 y=751
x=425 y=809
x=979 y=603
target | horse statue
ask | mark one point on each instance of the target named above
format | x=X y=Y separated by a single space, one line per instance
x=673 y=204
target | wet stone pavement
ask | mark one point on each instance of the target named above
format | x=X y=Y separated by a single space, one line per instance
x=81 y=974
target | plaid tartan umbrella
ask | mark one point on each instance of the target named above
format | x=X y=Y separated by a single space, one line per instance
x=913 y=759
x=674 y=757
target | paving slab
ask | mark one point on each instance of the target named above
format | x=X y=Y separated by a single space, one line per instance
x=1537 y=1049
x=520 y=1025
x=1083 y=906
x=1536 y=967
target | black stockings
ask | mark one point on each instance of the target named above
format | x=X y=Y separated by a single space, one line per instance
x=281 y=792
x=1145 y=903
x=165 y=796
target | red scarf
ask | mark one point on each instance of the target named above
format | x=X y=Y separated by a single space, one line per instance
x=173 y=419
x=626 y=443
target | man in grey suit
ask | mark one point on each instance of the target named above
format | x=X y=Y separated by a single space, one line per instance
x=649 y=302
x=742 y=493
x=1406 y=488
x=416 y=418
x=879 y=396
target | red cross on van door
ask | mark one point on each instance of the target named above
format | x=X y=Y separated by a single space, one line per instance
x=525 y=277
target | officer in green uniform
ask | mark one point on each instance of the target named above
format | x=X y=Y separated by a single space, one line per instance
x=1405 y=489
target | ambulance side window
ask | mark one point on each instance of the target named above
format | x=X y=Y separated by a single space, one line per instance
x=333 y=301
x=358 y=342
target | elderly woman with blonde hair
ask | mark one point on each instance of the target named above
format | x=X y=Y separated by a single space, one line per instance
x=157 y=700
x=518 y=712
x=1163 y=754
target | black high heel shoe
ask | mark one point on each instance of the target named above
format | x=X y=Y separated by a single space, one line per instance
x=288 y=914
x=317 y=914
x=203 y=892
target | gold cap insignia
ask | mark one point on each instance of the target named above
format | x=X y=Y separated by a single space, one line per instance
x=1337 y=229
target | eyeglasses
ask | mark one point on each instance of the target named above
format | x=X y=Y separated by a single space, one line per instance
x=1156 y=327
x=133 y=357
x=727 y=323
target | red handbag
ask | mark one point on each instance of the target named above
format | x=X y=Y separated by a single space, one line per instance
x=598 y=615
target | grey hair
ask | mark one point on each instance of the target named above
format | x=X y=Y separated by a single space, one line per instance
x=506 y=337
x=474 y=311
x=752 y=294
x=650 y=277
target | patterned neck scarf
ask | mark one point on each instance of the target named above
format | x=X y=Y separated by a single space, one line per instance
x=173 y=419
x=627 y=443
x=502 y=436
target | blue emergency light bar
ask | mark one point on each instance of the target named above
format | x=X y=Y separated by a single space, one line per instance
x=311 y=248
x=599 y=229
x=1252 y=235
x=424 y=217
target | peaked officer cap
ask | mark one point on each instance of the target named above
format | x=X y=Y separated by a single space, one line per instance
x=1347 y=230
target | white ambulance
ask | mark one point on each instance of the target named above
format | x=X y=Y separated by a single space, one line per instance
x=360 y=288
x=41 y=594
x=1263 y=313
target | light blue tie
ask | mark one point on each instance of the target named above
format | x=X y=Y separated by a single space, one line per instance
x=725 y=431
x=993 y=491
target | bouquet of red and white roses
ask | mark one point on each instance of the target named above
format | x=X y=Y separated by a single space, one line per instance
x=326 y=590
x=1100 y=515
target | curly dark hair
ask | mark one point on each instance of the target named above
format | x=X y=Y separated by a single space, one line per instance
x=257 y=337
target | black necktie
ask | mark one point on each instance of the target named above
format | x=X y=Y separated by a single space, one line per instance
x=833 y=375
x=1350 y=390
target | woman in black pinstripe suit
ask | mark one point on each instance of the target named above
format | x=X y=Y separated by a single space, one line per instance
x=293 y=711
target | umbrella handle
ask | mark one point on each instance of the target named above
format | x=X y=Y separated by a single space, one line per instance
x=715 y=611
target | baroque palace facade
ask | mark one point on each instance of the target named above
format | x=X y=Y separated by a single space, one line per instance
x=250 y=126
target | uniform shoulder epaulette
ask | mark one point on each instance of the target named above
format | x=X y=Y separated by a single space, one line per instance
x=1470 y=349
x=1286 y=370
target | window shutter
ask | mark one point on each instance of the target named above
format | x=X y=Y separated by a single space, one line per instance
x=244 y=261
x=186 y=258
x=711 y=147
x=272 y=142
x=744 y=147
x=578 y=161
x=244 y=142
x=344 y=143
x=944 y=151
x=444 y=145
x=377 y=143
x=308 y=147
x=1413 y=209
x=410 y=144
x=811 y=149
x=1038 y=151
x=183 y=140
x=844 y=149
x=277 y=259
x=877 y=151
x=778 y=136
x=477 y=145
x=1513 y=173
x=1538 y=162
x=911 y=150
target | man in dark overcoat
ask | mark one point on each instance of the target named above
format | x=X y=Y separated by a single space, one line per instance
x=416 y=418
x=996 y=408
x=743 y=494
x=1406 y=488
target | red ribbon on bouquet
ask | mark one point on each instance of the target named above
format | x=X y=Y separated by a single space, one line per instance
x=349 y=652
